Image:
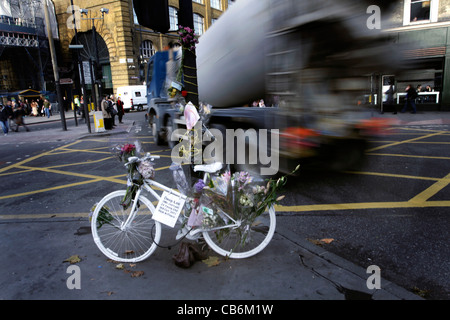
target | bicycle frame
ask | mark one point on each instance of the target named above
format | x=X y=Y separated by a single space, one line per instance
x=147 y=185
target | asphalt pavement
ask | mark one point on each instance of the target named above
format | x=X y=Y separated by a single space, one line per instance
x=290 y=268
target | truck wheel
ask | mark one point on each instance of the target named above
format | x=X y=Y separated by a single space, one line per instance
x=169 y=130
x=348 y=156
x=152 y=125
x=140 y=108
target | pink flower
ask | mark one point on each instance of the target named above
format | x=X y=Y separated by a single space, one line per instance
x=128 y=148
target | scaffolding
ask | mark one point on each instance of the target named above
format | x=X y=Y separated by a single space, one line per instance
x=27 y=16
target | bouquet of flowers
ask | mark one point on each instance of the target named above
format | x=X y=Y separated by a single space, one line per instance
x=239 y=196
x=134 y=179
x=188 y=38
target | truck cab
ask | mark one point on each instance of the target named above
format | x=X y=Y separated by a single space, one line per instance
x=162 y=69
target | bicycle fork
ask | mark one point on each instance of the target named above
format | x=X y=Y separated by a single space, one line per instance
x=134 y=210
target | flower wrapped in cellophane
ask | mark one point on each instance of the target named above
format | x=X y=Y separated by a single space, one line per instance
x=240 y=197
x=134 y=178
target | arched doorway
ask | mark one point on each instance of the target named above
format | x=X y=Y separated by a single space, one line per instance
x=89 y=55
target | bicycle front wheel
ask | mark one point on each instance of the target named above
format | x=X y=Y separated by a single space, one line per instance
x=131 y=243
x=245 y=240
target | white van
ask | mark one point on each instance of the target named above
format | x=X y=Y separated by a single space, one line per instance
x=133 y=97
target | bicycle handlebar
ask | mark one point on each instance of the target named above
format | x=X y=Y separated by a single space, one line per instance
x=137 y=159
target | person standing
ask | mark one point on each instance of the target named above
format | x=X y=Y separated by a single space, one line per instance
x=27 y=107
x=34 y=108
x=40 y=107
x=112 y=111
x=5 y=115
x=390 y=98
x=106 y=116
x=76 y=102
x=120 y=110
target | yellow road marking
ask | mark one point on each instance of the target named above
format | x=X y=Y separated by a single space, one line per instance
x=392 y=175
x=416 y=142
x=44 y=216
x=423 y=130
x=407 y=156
x=362 y=205
x=66 y=150
x=431 y=191
x=405 y=141
x=75 y=174
x=49 y=189
x=15 y=165
x=278 y=208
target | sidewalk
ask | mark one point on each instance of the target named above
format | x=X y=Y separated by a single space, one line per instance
x=73 y=131
x=419 y=118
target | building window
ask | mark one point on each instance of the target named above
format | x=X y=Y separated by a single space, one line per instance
x=216 y=4
x=147 y=49
x=198 y=24
x=420 y=11
x=173 y=18
x=198 y=1
x=135 y=19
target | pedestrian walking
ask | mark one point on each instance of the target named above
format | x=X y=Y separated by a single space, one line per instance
x=47 y=107
x=411 y=95
x=18 y=115
x=120 y=110
x=5 y=115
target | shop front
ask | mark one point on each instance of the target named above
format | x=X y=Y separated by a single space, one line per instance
x=427 y=68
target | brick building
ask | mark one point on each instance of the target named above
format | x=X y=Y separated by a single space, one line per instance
x=122 y=45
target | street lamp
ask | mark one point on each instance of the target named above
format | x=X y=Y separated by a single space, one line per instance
x=98 y=83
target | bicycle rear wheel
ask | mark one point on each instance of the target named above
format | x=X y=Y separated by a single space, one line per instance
x=246 y=240
x=134 y=243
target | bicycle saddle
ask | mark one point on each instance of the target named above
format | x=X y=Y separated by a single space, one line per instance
x=210 y=168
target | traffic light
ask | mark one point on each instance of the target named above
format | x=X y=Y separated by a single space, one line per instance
x=153 y=14
x=185 y=14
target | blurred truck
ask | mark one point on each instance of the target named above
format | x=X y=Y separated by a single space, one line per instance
x=313 y=62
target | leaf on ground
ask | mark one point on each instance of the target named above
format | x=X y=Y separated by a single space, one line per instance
x=73 y=259
x=321 y=242
x=120 y=266
x=211 y=261
x=136 y=274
